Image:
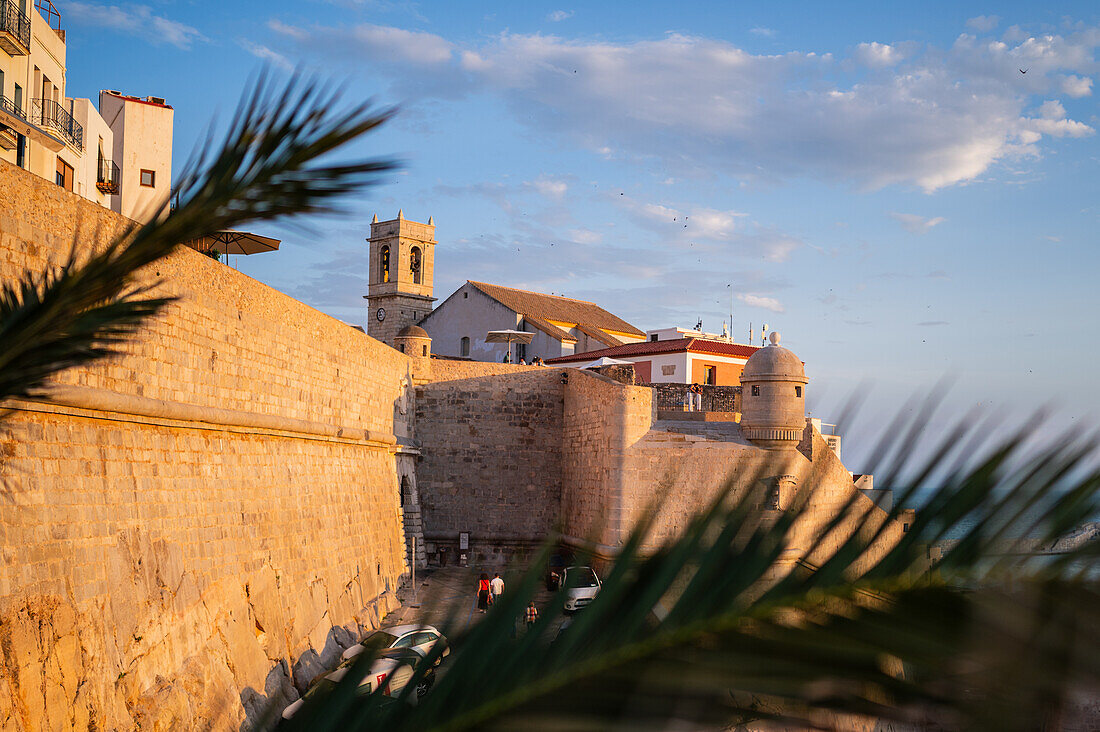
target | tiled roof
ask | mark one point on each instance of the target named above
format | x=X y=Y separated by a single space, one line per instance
x=560 y=309
x=648 y=348
x=599 y=335
x=549 y=328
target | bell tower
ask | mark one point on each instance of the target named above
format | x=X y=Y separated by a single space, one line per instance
x=402 y=262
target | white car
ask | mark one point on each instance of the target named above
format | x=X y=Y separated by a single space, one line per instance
x=581 y=586
x=391 y=670
x=421 y=638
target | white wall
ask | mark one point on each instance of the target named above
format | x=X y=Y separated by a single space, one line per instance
x=87 y=166
x=142 y=140
x=677 y=360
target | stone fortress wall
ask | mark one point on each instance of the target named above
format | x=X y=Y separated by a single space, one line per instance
x=189 y=527
x=193 y=527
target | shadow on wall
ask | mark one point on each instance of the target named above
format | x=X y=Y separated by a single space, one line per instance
x=262 y=710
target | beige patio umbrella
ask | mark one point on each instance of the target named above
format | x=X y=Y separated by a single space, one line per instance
x=509 y=337
x=235 y=242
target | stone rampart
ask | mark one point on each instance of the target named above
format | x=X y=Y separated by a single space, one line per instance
x=491 y=463
x=603 y=419
x=194 y=525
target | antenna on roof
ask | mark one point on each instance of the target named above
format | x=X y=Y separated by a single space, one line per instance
x=730 y=285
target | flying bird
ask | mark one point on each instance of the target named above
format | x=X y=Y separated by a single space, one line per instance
x=1024 y=71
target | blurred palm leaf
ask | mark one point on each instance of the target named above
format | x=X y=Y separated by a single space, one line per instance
x=270 y=165
x=712 y=630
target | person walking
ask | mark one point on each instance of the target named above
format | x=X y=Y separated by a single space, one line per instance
x=483 y=593
x=530 y=615
x=496 y=586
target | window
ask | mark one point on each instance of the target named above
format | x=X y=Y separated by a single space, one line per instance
x=401 y=347
x=425 y=351
x=148 y=178
x=710 y=375
x=653 y=337
x=668 y=370
x=384 y=263
x=756 y=391
x=464 y=347
x=798 y=391
x=64 y=175
x=414 y=265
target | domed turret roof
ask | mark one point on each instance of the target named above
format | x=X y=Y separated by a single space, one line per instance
x=774 y=363
x=412 y=331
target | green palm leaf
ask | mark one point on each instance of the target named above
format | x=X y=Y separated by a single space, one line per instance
x=705 y=632
x=273 y=163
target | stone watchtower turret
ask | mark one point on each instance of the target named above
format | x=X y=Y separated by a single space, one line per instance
x=402 y=262
x=773 y=397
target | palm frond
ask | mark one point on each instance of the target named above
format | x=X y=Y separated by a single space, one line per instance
x=274 y=162
x=709 y=629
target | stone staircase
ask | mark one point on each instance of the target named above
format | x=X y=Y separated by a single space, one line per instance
x=677 y=432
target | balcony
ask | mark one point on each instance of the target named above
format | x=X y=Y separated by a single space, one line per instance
x=52 y=17
x=15 y=29
x=52 y=117
x=9 y=139
x=108 y=177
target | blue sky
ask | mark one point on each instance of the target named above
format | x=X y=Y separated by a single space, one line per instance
x=881 y=184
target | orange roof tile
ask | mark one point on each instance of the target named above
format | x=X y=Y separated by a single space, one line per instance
x=552 y=307
x=647 y=348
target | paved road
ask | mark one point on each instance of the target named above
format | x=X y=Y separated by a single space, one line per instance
x=441 y=591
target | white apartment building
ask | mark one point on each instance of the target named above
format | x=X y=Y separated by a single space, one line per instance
x=67 y=140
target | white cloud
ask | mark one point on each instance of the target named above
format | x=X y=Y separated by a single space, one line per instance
x=266 y=54
x=930 y=118
x=983 y=23
x=1076 y=86
x=559 y=15
x=549 y=187
x=585 y=236
x=765 y=32
x=135 y=20
x=916 y=224
x=289 y=31
x=877 y=54
x=711 y=230
x=767 y=303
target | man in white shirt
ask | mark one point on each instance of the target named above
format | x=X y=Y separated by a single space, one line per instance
x=496 y=586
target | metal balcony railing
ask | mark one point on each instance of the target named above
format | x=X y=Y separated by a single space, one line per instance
x=52 y=17
x=52 y=116
x=109 y=177
x=9 y=106
x=15 y=29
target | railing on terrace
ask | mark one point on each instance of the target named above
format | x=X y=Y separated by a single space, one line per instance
x=17 y=25
x=9 y=106
x=49 y=12
x=51 y=115
x=109 y=176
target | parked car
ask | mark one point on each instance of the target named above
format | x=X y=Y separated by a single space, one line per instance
x=555 y=566
x=422 y=638
x=580 y=586
x=392 y=670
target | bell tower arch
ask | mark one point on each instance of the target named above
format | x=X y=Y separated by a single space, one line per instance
x=402 y=264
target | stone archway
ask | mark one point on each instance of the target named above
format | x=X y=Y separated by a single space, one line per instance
x=409 y=501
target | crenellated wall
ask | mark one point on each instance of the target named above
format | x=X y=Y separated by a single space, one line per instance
x=191 y=527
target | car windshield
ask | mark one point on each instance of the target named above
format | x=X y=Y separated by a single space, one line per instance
x=378 y=640
x=321 y=688
x=581 y=577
